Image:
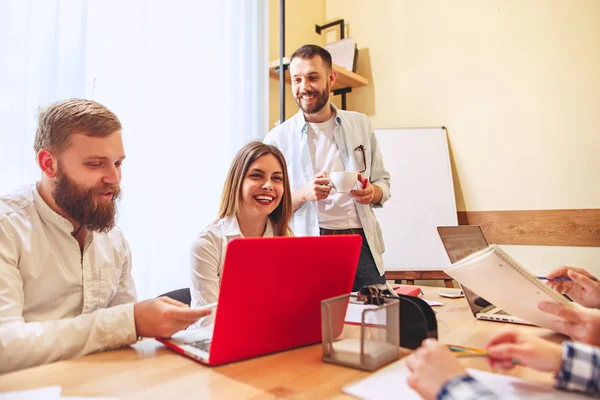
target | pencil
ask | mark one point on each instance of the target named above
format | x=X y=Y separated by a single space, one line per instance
x=464 y=349
x=471 y=352
x=468 y=355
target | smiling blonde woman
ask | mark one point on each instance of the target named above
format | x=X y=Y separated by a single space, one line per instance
x=256 y=202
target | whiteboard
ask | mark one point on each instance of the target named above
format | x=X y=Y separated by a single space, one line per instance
x=422 y=198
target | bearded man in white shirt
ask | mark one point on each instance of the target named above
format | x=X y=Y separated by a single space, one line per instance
x=319 y=140
x=66 y=288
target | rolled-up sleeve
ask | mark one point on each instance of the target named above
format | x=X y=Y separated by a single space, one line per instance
x=378 y=175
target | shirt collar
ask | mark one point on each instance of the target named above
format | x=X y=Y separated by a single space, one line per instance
x=231 y=227
x=48 y=214
x=300 y=122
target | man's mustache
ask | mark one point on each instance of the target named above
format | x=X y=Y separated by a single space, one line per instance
x=115 y=189
x=308 y=94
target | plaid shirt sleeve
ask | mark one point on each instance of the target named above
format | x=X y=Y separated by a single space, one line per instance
x=580 y=369
x=465 y=387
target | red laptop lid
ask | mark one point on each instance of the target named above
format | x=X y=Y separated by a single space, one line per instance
x=271 y=292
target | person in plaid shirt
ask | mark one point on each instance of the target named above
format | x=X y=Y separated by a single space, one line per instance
x=437 y=374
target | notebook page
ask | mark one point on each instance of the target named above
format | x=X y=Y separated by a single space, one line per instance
x=390 y=383
x=490 y=276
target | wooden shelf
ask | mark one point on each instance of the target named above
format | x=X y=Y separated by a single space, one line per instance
x=344 y=79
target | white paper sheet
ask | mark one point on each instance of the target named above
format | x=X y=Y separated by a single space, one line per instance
x=434 y=303
x=342 y=52
x=390 y=383
x=44 y=393
x=354 y=314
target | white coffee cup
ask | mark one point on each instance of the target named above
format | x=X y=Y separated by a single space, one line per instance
x=343 y=182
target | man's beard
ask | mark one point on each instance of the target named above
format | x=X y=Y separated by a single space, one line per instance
x=82 y=206
x=322 y=100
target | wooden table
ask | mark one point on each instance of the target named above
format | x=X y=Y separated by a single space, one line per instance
x=149 y=371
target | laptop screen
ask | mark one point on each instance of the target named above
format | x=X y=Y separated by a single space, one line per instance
x=460 y=242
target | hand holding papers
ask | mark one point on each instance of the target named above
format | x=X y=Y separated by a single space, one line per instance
x=501 y=280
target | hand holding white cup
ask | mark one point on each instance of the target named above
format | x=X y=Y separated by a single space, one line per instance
x=343 y=182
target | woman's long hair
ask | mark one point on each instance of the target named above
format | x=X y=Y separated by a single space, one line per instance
x=231 y=198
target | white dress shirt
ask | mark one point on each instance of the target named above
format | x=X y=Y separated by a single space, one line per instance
x=208 y=255
x=55 y=301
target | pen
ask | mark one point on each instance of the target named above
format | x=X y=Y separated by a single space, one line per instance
x=543 y=278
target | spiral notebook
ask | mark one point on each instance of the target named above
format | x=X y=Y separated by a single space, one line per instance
x=501 y=280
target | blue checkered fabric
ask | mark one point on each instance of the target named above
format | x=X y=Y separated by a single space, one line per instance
x=465 y=387
x=580 y=370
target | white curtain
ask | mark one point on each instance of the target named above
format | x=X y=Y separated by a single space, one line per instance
x=188 y=79
x=41 y=47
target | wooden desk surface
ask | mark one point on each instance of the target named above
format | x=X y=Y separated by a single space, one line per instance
x=148 y=370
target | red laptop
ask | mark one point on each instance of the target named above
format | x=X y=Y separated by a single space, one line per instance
x=270 y=297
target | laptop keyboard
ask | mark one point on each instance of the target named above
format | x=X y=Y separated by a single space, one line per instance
x=203 y=344
x=501 y=312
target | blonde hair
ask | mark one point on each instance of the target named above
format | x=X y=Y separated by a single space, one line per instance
x=231 y=198
x=61 y=119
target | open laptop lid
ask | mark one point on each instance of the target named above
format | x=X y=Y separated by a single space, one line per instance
x=271 y=292
x=460 y=242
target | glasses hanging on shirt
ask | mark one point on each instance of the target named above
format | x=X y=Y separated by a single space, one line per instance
x=361 y=148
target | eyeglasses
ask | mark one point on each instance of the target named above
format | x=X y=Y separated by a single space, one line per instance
x=361 y=148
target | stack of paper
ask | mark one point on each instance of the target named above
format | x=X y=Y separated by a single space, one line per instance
x=344 y=53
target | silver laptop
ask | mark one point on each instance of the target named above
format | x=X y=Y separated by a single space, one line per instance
x=460 y=242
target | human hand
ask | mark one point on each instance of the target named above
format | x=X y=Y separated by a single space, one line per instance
x=431 y=366
x=584 y=288
x=318 y=188
x=529 y=350
x=162 y=317
x=581 y=324
x=364 y=195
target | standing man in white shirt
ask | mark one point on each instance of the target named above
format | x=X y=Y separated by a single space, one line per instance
x=321 y=139
x=66 y=288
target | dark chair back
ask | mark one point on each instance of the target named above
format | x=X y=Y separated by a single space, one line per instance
x=182 y=295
